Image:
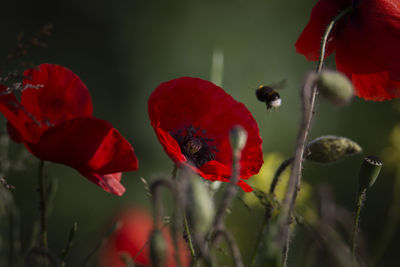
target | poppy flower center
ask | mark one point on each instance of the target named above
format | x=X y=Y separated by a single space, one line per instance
x=196 y=148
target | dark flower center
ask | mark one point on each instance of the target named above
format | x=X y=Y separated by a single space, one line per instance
x=196 y=148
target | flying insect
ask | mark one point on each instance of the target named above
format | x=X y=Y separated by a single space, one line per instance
x=269 y=95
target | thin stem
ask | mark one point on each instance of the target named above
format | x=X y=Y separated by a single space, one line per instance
x=308 y=98
x=189 y=239
x=359 y=204
x=89 y=257
x=286 y=163
x=43 y=204
x=69 y=243
x=229 y=192
x=269 y=208
x=392 y=220
x=176 y=226
x=237 y=259
x=285 y=251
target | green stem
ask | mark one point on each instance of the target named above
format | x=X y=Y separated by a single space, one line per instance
x=185 y=223
x=392 y=220
x=359 y=204
x=308 y=97
x=189 y=238
x=43 y=204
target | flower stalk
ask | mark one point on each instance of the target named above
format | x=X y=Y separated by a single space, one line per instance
x=308 y=95
x=360 y=201
x=42 y=204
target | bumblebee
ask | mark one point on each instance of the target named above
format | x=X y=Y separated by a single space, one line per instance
x=269 y=95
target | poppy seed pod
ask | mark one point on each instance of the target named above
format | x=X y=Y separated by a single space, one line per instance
x=199 y=206
x=330 y=148
x=335 y=87
x=158 y=248
x=238 y=138
x=369 y=172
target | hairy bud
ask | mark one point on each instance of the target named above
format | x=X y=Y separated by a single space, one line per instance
x=330 y=148
x=199 y=206
x=335 y=87
x=238 y=138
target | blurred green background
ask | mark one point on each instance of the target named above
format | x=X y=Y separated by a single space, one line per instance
x=123 y=49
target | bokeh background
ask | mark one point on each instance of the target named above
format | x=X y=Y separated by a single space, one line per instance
x=123 y=49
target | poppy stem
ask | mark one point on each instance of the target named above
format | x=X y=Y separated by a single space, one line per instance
x=89 y=257
x=177 y=222
x=269 y=208
x=392 y=221
x=360 y=200
x=235 y=252
x=42 y=204
x=189 y=239
x=71 y=236
x=308 y=95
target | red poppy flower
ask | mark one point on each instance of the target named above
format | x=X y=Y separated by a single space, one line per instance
x=366 y=43
x=132 y=237
x=192 y=119
x=54 y=121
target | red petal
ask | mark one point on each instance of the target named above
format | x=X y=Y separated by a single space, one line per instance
x=90 y=145
x=171 y=147
x=132 y=237
x=63 y=95
x=20 y=124
x=109 y=182
x=309 y=41
x=367 y=50
x=192 y=101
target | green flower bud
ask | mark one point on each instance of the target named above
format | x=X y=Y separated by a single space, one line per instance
x=158 y=248
x=335 y=86
x=238 y=138
x=199 y=206
x=369 y=172
x=330 y=148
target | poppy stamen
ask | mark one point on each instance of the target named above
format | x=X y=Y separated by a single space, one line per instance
x=194 y=146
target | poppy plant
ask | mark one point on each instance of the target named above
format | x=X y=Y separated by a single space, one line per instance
x=132 y=238
x=53 y=119
x=192 y=119
x=366 y=42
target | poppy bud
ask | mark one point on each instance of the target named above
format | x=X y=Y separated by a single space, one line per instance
x=238 y=138
x=199 y=206
x=335 y=87
x=158 y=248
x=369 y=172
x=330 y=148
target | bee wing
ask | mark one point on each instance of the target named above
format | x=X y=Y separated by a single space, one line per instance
x=280 y=84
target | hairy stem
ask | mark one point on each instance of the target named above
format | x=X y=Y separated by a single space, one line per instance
x=43 y=204
x=237 y=259
x=308 y=96
x=359 y=204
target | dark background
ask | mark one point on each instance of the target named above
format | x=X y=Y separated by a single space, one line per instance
x=123 y=49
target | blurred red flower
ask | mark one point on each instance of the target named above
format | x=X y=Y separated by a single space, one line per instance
x=132 y=237
x=366 y=43
x=192 y=119
x=54 y=121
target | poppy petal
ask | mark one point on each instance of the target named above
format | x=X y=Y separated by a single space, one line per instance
x=61 y=94
x=309 y=42
x=109 y=182
x=20 y=123
x=367 y=50
x=87 y=144
x=200 y=104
